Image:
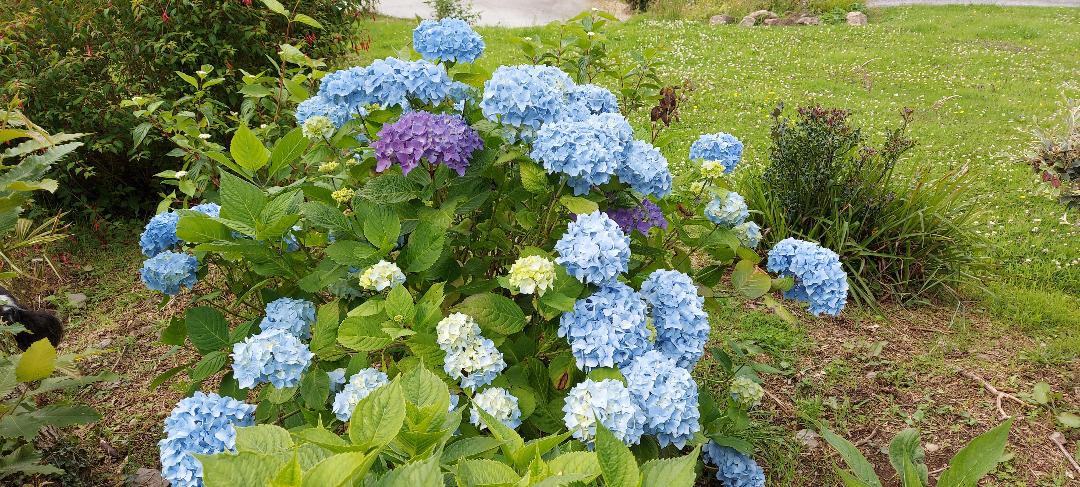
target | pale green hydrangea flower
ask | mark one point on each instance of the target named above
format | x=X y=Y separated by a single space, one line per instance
x=329 y=167
x=318 y=127
x=343 y=195
x=532 y=275
x=712 y=169
x=746 y=392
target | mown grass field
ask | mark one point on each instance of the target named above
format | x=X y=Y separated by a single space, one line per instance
x=977 y=78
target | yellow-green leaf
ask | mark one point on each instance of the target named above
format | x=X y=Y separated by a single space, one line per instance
x=37 y=362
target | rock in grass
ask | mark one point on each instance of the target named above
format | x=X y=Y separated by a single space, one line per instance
x=752 y=18
x=808 y=20
x=856 y=18
x=721 y=19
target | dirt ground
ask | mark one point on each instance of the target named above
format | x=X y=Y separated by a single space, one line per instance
x=868 y=376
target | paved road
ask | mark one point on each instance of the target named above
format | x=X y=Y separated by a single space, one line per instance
x=1008 y=3
x=508 y=13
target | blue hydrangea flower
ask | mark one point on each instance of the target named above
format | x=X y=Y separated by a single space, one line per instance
x=159 y=234
x=209 y=209
x=447 y=40
x=525 y=95
x=360 y=385
x=292 y=315
x=167 y=271
x=734 y=468
x=607 y=329
x=749 y=234
x=646 y=170
x=386 y=82
x=321 y=106
x=820 y=279
x=607 y=401
x=678 y=313
x=475 y=365
x=499 y=403
x=594 y=249
x=728 y=210
x=200 y=424
x=668 y=397
x=589 y=99
x=589 y=151
x=275 y=356
x=724 y=148
x=337 y=378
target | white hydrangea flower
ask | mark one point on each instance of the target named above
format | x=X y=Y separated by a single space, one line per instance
x=476 y=365
x=500 y=404
x=532 y=275
x=457 y=331
x=381 y=276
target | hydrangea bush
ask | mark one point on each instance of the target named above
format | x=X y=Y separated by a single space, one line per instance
x=444 y=270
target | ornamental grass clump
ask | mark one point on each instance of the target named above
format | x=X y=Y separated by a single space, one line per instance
x=898 y=237
x=526 y=291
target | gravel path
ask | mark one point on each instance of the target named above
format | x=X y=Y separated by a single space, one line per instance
x=1004 y=3
x=507 y=13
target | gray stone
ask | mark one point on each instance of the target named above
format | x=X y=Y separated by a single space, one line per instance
x=721 y=19
x=754 y=17
x=773 y=22
x=76 y=300
x=808 y=20
x=808 y=438
x=856 y=18
x=148 y=477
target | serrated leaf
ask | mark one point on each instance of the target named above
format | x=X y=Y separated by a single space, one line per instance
x=210 y=364
x=670 y=472
x=496 y=315
x=378 y=417
x=617 y=463
x=263 y=438
x=288 y=150
x=247 y=150
x=207 y=329
x=533 y=178
x=424 y=247
x=363 y=333
x=578 y=205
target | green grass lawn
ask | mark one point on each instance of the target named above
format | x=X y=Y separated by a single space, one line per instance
x=978 y=79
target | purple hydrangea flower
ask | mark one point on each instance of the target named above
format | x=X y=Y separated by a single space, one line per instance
x=642 y=218
x=439 y=139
